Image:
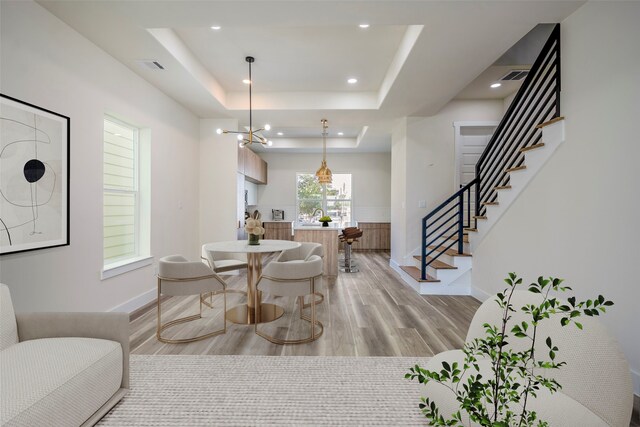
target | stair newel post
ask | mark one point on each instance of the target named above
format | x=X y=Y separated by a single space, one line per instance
x=423 y=259
x=469 y=209
x=478 y=188
x=460 y=222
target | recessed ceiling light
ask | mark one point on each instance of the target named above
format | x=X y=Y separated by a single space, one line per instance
x=352 y=81
x=495 y=85
x=280 y=133
x=246 y=81
x=216 y=27
x=269 y=143
x=364 y=25
x=340 y=133
x=267 y=127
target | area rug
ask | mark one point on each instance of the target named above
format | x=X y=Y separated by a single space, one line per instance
x=263 y=390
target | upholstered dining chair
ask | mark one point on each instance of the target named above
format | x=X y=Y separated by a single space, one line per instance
x=302 y=253
x=178 y=276
x=222 y=262
x=293 y=279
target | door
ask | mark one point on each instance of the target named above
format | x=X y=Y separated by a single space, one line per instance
x=471 y=139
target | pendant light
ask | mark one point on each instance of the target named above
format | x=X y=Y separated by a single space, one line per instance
x=251 y=136
x=324 y=173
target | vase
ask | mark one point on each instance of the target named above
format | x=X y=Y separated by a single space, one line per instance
x=325 y=224
x=254 y=239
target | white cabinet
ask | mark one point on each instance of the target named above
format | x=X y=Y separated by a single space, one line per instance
x=252 y=193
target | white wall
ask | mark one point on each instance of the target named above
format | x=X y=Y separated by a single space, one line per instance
x=399 y=192
x=429 y=162
x=46 y=63
x=370 y=181
x=218 y=190
x=578 y=219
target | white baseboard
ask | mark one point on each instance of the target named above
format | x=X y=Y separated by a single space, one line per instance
x=136 y=302
x=479 y=294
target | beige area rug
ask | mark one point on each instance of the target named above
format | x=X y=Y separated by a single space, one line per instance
x=264 y=390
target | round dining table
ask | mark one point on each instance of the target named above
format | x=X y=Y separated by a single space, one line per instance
x=252 y=313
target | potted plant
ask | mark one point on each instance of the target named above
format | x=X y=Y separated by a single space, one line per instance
x=325 y=220
x=515 y=377
x=253 y=226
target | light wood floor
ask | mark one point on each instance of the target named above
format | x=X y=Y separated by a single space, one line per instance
x=370 y=313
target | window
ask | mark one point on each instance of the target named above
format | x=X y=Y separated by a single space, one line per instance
x=124 y=237
x=335 y=199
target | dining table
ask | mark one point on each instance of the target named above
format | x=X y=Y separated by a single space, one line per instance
x=253 y=311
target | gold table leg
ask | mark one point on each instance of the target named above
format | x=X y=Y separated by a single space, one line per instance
x=250 y=314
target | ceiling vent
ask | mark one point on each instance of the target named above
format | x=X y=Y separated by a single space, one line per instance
x=515 y=75
x=150 y=64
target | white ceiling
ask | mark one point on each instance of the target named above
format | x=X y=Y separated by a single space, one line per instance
x=415 y=57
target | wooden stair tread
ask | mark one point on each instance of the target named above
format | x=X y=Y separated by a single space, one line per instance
x=550 y=122
x=517 y=168
x=479 y=217
x=450 y=252
x=502 y=187
x=465 y=238
x=437 y=264
x=532 y=147
x=414 y=272
x=489 y=203
x=474 y=230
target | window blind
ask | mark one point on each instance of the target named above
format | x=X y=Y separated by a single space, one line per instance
x=120 y=196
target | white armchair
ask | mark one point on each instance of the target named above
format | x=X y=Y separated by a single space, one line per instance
x=179 y=277
x=596 y=382
x=60 y=368
x=291 y=279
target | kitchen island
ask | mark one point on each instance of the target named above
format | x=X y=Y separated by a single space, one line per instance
x=328 y=237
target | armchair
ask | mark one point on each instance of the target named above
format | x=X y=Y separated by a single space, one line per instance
x=61 y=368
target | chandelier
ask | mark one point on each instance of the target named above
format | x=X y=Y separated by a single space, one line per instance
x=250 y=136
x=324 y=173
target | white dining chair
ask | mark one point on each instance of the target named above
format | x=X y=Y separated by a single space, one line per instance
x=303 y=253
x=222 y=262
x=293 y=279
x=178 y=276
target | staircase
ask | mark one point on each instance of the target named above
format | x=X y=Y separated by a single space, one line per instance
x=527 y=136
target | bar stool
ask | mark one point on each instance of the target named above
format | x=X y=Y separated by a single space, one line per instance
x=348 y=237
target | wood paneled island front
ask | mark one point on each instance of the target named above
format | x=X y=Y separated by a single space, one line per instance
x=328 y=237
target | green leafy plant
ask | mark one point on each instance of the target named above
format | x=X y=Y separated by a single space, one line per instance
x=501 y=398
x=325 y=218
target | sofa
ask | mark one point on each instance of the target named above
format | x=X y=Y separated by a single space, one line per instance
x=60 y=369
x=596 y=381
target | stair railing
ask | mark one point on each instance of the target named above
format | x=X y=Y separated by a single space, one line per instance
x=537 y=101
x=447 y=222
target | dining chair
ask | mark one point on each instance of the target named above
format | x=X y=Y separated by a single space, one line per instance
x=302 y=253
x=178 y=276
x=293 y=279
x=222 y=262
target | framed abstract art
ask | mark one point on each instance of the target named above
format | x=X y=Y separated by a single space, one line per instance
x=34 y=177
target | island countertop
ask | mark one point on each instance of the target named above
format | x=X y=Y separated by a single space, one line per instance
x=316 y=227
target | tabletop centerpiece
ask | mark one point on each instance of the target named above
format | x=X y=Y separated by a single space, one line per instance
x=325 y=220
x=253 y=226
